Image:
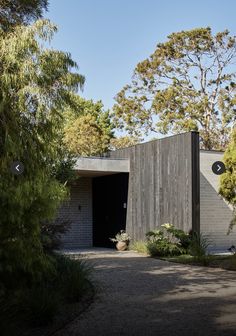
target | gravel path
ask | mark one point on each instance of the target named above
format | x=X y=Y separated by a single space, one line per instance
x=140 y=296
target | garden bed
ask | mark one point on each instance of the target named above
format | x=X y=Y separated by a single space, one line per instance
x=47 y=306
x=222 y=261
x=67 y=313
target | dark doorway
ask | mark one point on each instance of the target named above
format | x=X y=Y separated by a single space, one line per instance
x=109 y=207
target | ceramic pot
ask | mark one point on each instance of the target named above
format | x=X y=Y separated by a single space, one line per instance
x=122 y=246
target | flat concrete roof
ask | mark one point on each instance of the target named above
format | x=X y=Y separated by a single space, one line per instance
x=99 y=166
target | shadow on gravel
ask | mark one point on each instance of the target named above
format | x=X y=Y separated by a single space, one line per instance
x=140 y=293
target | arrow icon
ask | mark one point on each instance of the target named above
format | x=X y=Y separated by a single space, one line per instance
x=218 y=167
x=17 y=167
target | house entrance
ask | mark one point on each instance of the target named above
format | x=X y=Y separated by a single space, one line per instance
x=110 y=194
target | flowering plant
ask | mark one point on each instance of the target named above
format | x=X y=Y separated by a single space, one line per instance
x=121 y=236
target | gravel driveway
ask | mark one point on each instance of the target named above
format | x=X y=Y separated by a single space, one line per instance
x=138 y=295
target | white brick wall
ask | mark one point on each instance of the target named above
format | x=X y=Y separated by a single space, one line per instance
x=215 y=213
x=81 y=232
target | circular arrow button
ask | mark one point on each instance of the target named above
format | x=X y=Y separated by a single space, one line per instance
x=17 y=168
x=218 y=167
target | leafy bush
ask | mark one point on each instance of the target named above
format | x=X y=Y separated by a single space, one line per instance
x=167 y=241
x=164 y=248
x=198 y=245
x=51 y=233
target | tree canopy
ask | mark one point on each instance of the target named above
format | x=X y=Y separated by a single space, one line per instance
x=123 y=142
x=88 y=128
x=36 y=85
x=188 y=83
x=15 y=12
x=228 y=179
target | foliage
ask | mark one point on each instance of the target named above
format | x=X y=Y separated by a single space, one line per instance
x=232 y=264
x=163 y=248
x=228 y=179
x=121 y=236
x=15 y=12
x=74 y=275
x=223 y=261
x=166 y=241
x=88 y=128
x=35 y=86
x=173 y=233
x=63 y=168
x=51 y=232
x=187 y=84
x=139 y=246
x=40 y=302
x=199 y=244
x=123 y=142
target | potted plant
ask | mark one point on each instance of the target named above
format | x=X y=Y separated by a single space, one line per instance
x=122 y=240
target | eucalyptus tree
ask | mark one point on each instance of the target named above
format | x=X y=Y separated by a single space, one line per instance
x=15 y=12
x=188 y=83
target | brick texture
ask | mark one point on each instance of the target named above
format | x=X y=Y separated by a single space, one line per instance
x=215 y=213
x=79 y=211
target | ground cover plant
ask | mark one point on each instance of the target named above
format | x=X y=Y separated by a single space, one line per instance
x=167 y=240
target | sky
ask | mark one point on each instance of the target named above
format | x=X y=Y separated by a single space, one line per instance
x=107 y=38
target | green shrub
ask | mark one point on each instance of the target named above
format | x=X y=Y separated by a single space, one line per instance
x=164 y=248
x=198 y=245
x=167 y=241
x=51 y=232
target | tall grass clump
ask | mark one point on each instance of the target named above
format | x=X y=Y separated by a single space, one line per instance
x=38 y=303
x=74 y=278
x=198 y=247
x=139 y=246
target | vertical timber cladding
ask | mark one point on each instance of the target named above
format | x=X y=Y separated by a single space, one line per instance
x=195 y=182
x=163 y=184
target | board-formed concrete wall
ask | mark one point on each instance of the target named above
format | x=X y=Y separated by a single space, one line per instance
x=215 y=213
x=78 y=210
